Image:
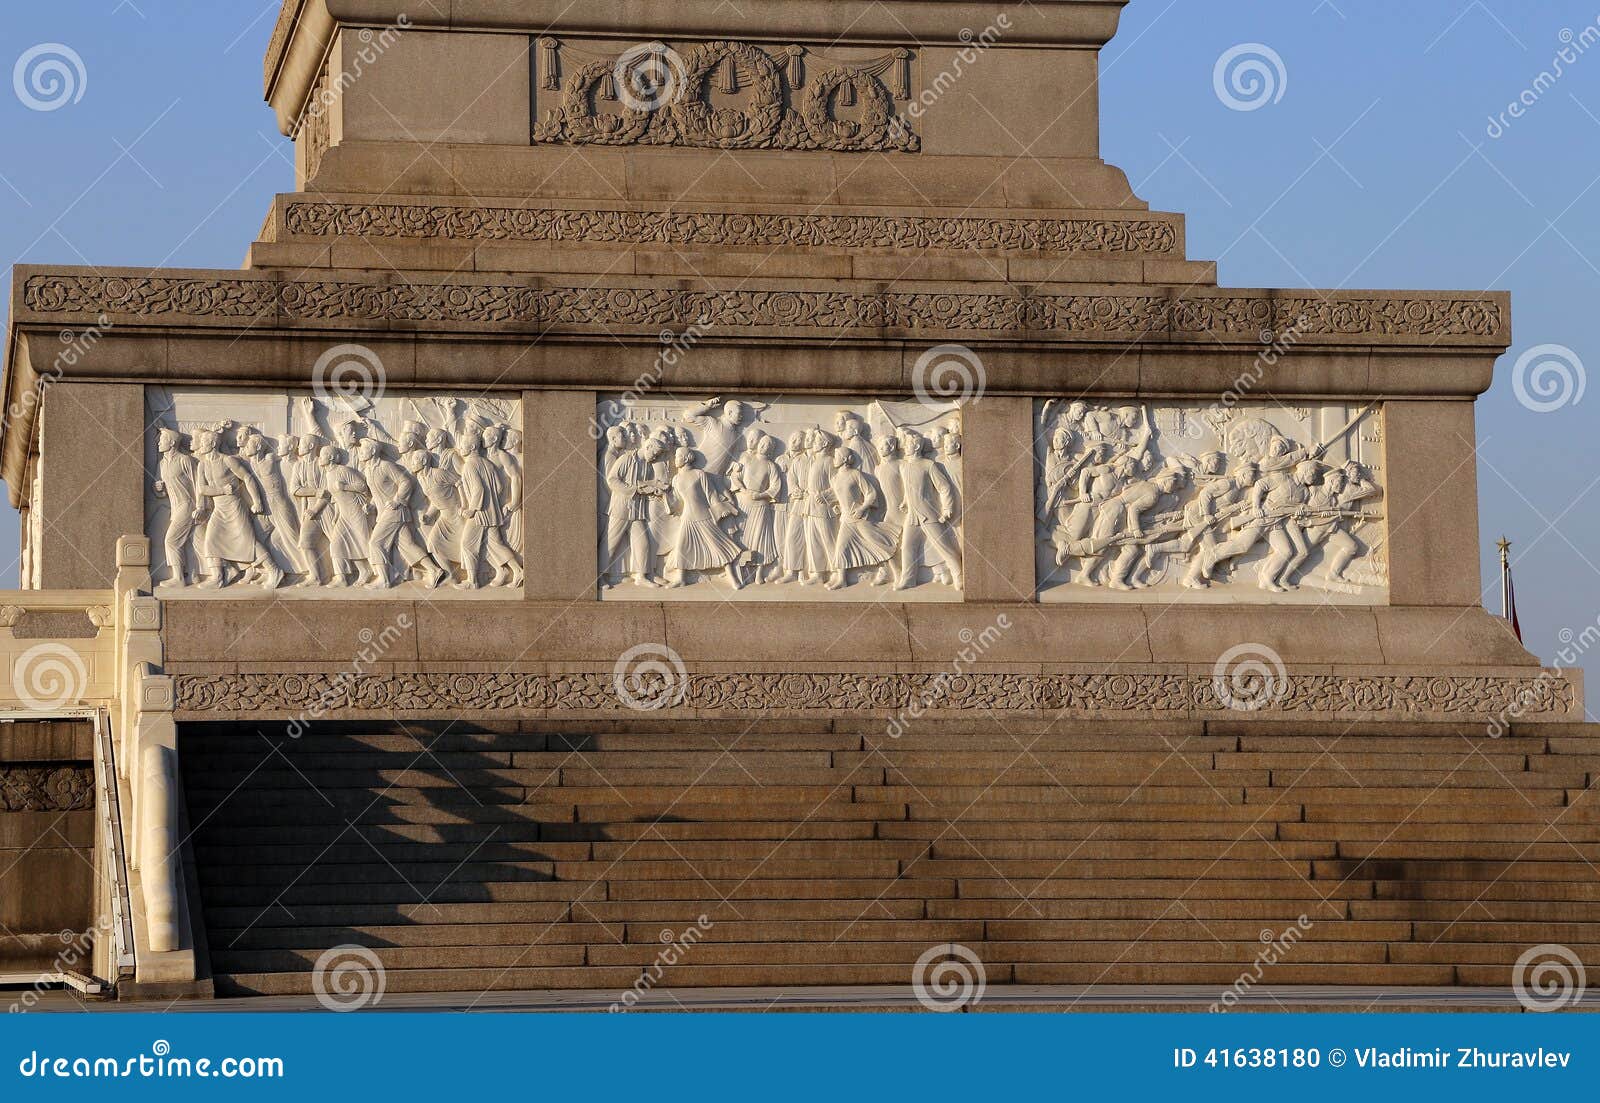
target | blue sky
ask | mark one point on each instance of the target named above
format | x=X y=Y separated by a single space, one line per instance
x=1371 y=166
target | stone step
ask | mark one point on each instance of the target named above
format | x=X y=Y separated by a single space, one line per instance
x=743 y=869
x=1406 y=869
x=374 y=848
x=620 y=979
x=864 y=889
x=483 y=956
x=1506 y=887
x=1239 y=955
x=1174 y=888
x=1224 y=829
x=251 y=826
x=836 y=809
x=412 y=786
x=1098 y=811
x=641 y=933
x=677 y=913
x=1462 y=952
x=756 y=776
x=1031 y=873
x=1470 y=851
x=1133 y=792
x=342 y=850
x=1469 y=811
x=1447 y=741
x=1224 y=976
x=722 y=850
x=1274 y=913
x=1436 y=797
x=944 y=747
x=423 y=876
x=455 y=805
x=590 y=908
x=1025 y=773
x=1518 y=781
x=1097 y=849
x=1506 y=834
x=293 y=897
x=261 y=937
x=1529 y=908
x=1394 y=764
x=1025 y=757
x=755 y=830
x=1523 y=934
x=1191 y=930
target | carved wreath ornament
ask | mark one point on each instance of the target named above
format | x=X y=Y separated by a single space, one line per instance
x=728 y=95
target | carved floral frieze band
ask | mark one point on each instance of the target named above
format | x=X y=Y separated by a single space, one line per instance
x=46 y=788
x=791 y=500
x=1167 y=695
x=1222 y=503
x=333 y=493
x=726 y=95
x=1112 y=235
x=1011 y=311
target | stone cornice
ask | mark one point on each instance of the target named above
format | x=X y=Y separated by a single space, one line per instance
x=833 y=310
x=1100 y=695
x=1089 y=234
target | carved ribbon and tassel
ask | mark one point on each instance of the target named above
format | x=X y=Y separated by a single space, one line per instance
x=550 y=63
x=796 y=66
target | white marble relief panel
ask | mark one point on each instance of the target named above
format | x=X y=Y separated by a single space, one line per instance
x=1192 y=502
x=782 y=500
x=298 y=494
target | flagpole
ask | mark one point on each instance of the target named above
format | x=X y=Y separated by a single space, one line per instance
x=1505 y=578
x=1508 y=590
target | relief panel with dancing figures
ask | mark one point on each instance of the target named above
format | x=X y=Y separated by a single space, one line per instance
x=789 y=500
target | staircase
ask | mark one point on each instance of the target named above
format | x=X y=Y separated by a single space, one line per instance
x=474 y=860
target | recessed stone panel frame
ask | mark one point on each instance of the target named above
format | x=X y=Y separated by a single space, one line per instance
x=246 y=330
